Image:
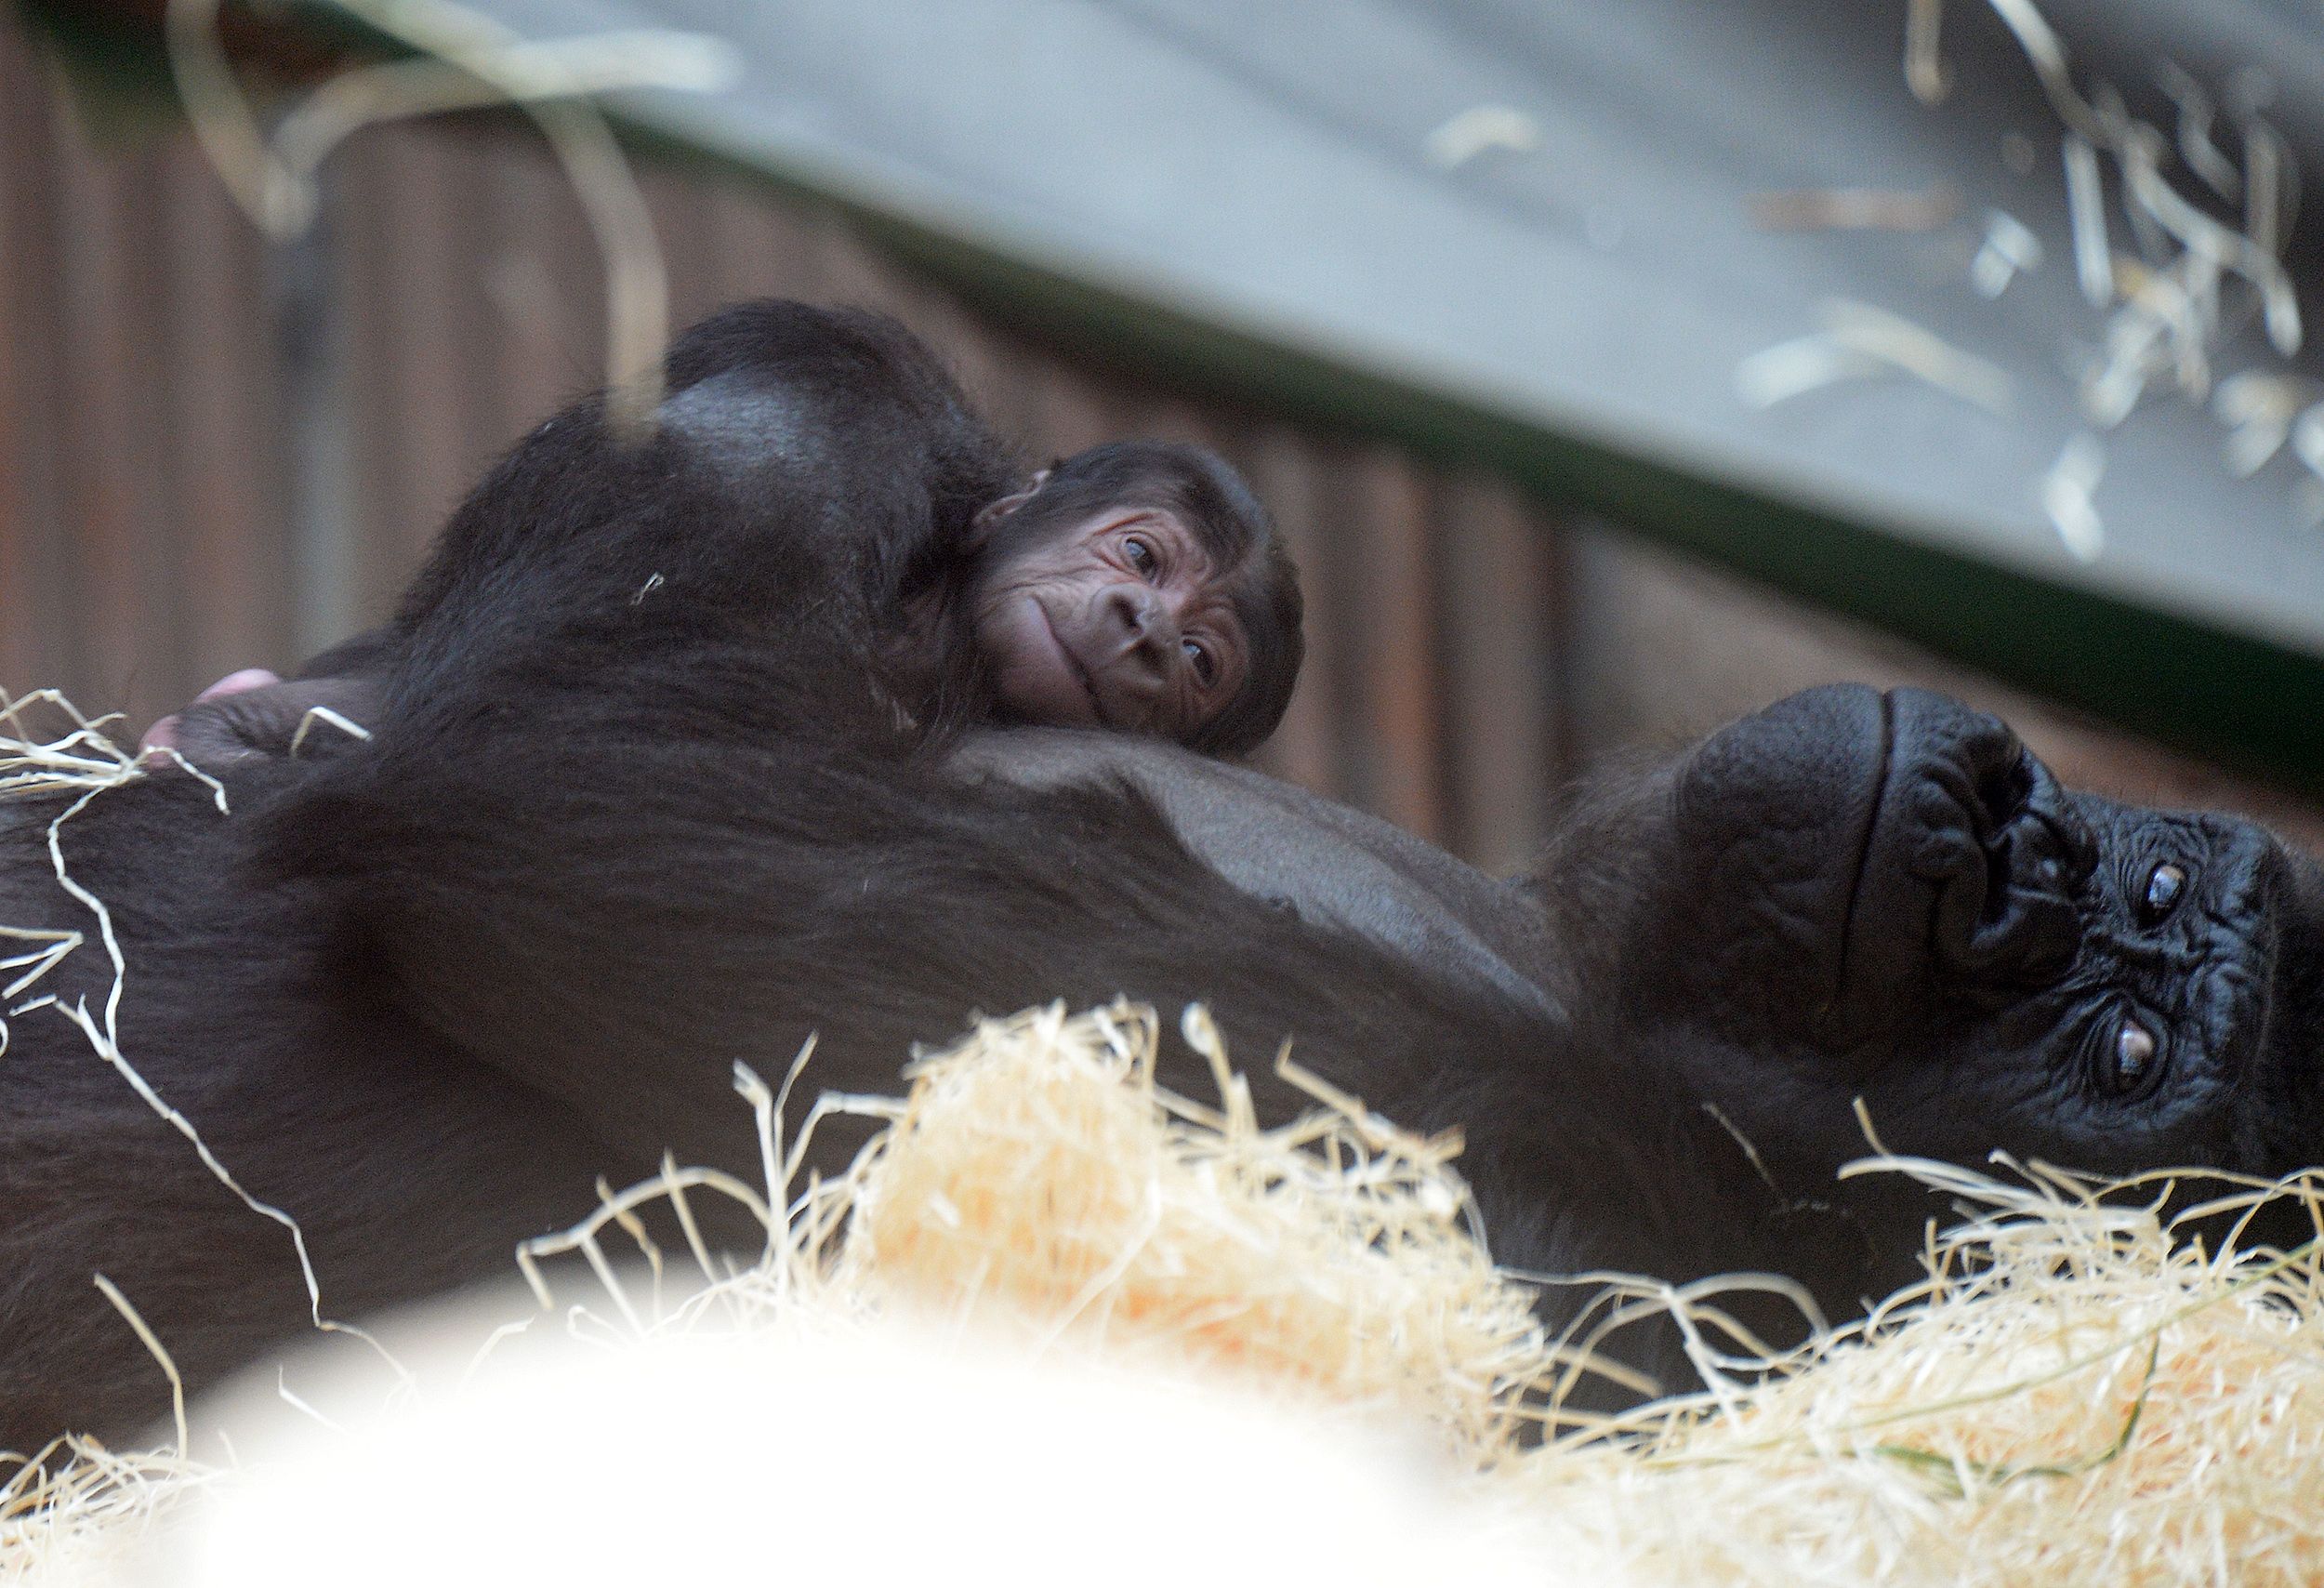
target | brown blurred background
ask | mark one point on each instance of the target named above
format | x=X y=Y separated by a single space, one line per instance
x=214 y=455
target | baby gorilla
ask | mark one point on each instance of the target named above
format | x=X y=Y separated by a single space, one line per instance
x=1107 y=595
x=828 y=457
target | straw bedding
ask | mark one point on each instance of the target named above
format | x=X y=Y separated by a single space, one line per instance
x=2064 y=1398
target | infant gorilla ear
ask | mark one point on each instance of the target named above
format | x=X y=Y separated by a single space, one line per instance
x=255 y=715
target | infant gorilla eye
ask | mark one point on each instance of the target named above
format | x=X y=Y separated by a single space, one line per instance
x=2132 y=1060
x=1141 y=555
x=1206 y=668
x=2164 y=884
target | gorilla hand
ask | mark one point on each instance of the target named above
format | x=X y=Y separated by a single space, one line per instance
x=254 y=714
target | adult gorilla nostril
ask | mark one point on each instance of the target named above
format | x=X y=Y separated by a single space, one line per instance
x=1971 y=873
x=2009 y=910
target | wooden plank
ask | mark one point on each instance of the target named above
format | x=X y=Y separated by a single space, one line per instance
x=368 y=254
x=35 y=642
x=989 y=369
x=466 y=152
x=759 y=248
x=1497 y=597
x=1285 y=472
x=1394 y=728
x=104 y=366
x=225 y=460
x=413 y=358
x=540 y=272
x=1070 y=410
x=846 y=268
x=682 y=211
x=1001 y=376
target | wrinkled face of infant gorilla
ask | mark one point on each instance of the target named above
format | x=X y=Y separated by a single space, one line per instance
x=1886 y=897
x=1138 y=586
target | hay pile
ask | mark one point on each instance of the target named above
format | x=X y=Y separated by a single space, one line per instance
x=1036 y=1199
x=2067 y=1398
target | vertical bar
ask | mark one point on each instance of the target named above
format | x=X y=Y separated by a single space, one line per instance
x=36 y=646
x=104 y=379
x=229 y=461
x=308 y=329
x=366 y=225
x=468 y=151
x=1400 y=732
x=759 y=247
x=1497 y=605
x=536 y=368
x=1286 y=472
x=681 y=212
x=847 y=271
x=416 y=439
x=1071 y=411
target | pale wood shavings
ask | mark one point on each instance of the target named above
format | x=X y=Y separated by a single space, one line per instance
x=1480 y=131
x=1861 y=341
x=2010 y=249
x=74 y=769
x=2175 y=297
x=1856 y=210
x=2068 y=493
x=2074 y=1392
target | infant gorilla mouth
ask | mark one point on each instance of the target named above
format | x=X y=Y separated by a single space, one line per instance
x=1047 y=680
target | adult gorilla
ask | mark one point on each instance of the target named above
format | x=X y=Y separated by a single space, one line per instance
x=579 y=922
x=420 y=993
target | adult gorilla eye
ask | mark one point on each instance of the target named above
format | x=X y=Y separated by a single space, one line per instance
x=2132 y=1061
x=1140 y=556
x=2164 y=884
x=1206 y=667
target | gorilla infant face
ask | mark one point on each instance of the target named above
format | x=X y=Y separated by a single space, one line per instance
x=1886 y=897
x=1120 y=619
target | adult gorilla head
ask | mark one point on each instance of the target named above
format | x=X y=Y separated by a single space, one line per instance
x=1854 y=895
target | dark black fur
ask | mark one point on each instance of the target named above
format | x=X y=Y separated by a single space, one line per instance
x=601 y=848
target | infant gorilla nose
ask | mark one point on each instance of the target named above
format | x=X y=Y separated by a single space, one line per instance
x=1878 y=845
x=1133 y=643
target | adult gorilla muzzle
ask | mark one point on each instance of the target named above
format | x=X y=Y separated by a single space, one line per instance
x=1973 y=867
x=1863 y=850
